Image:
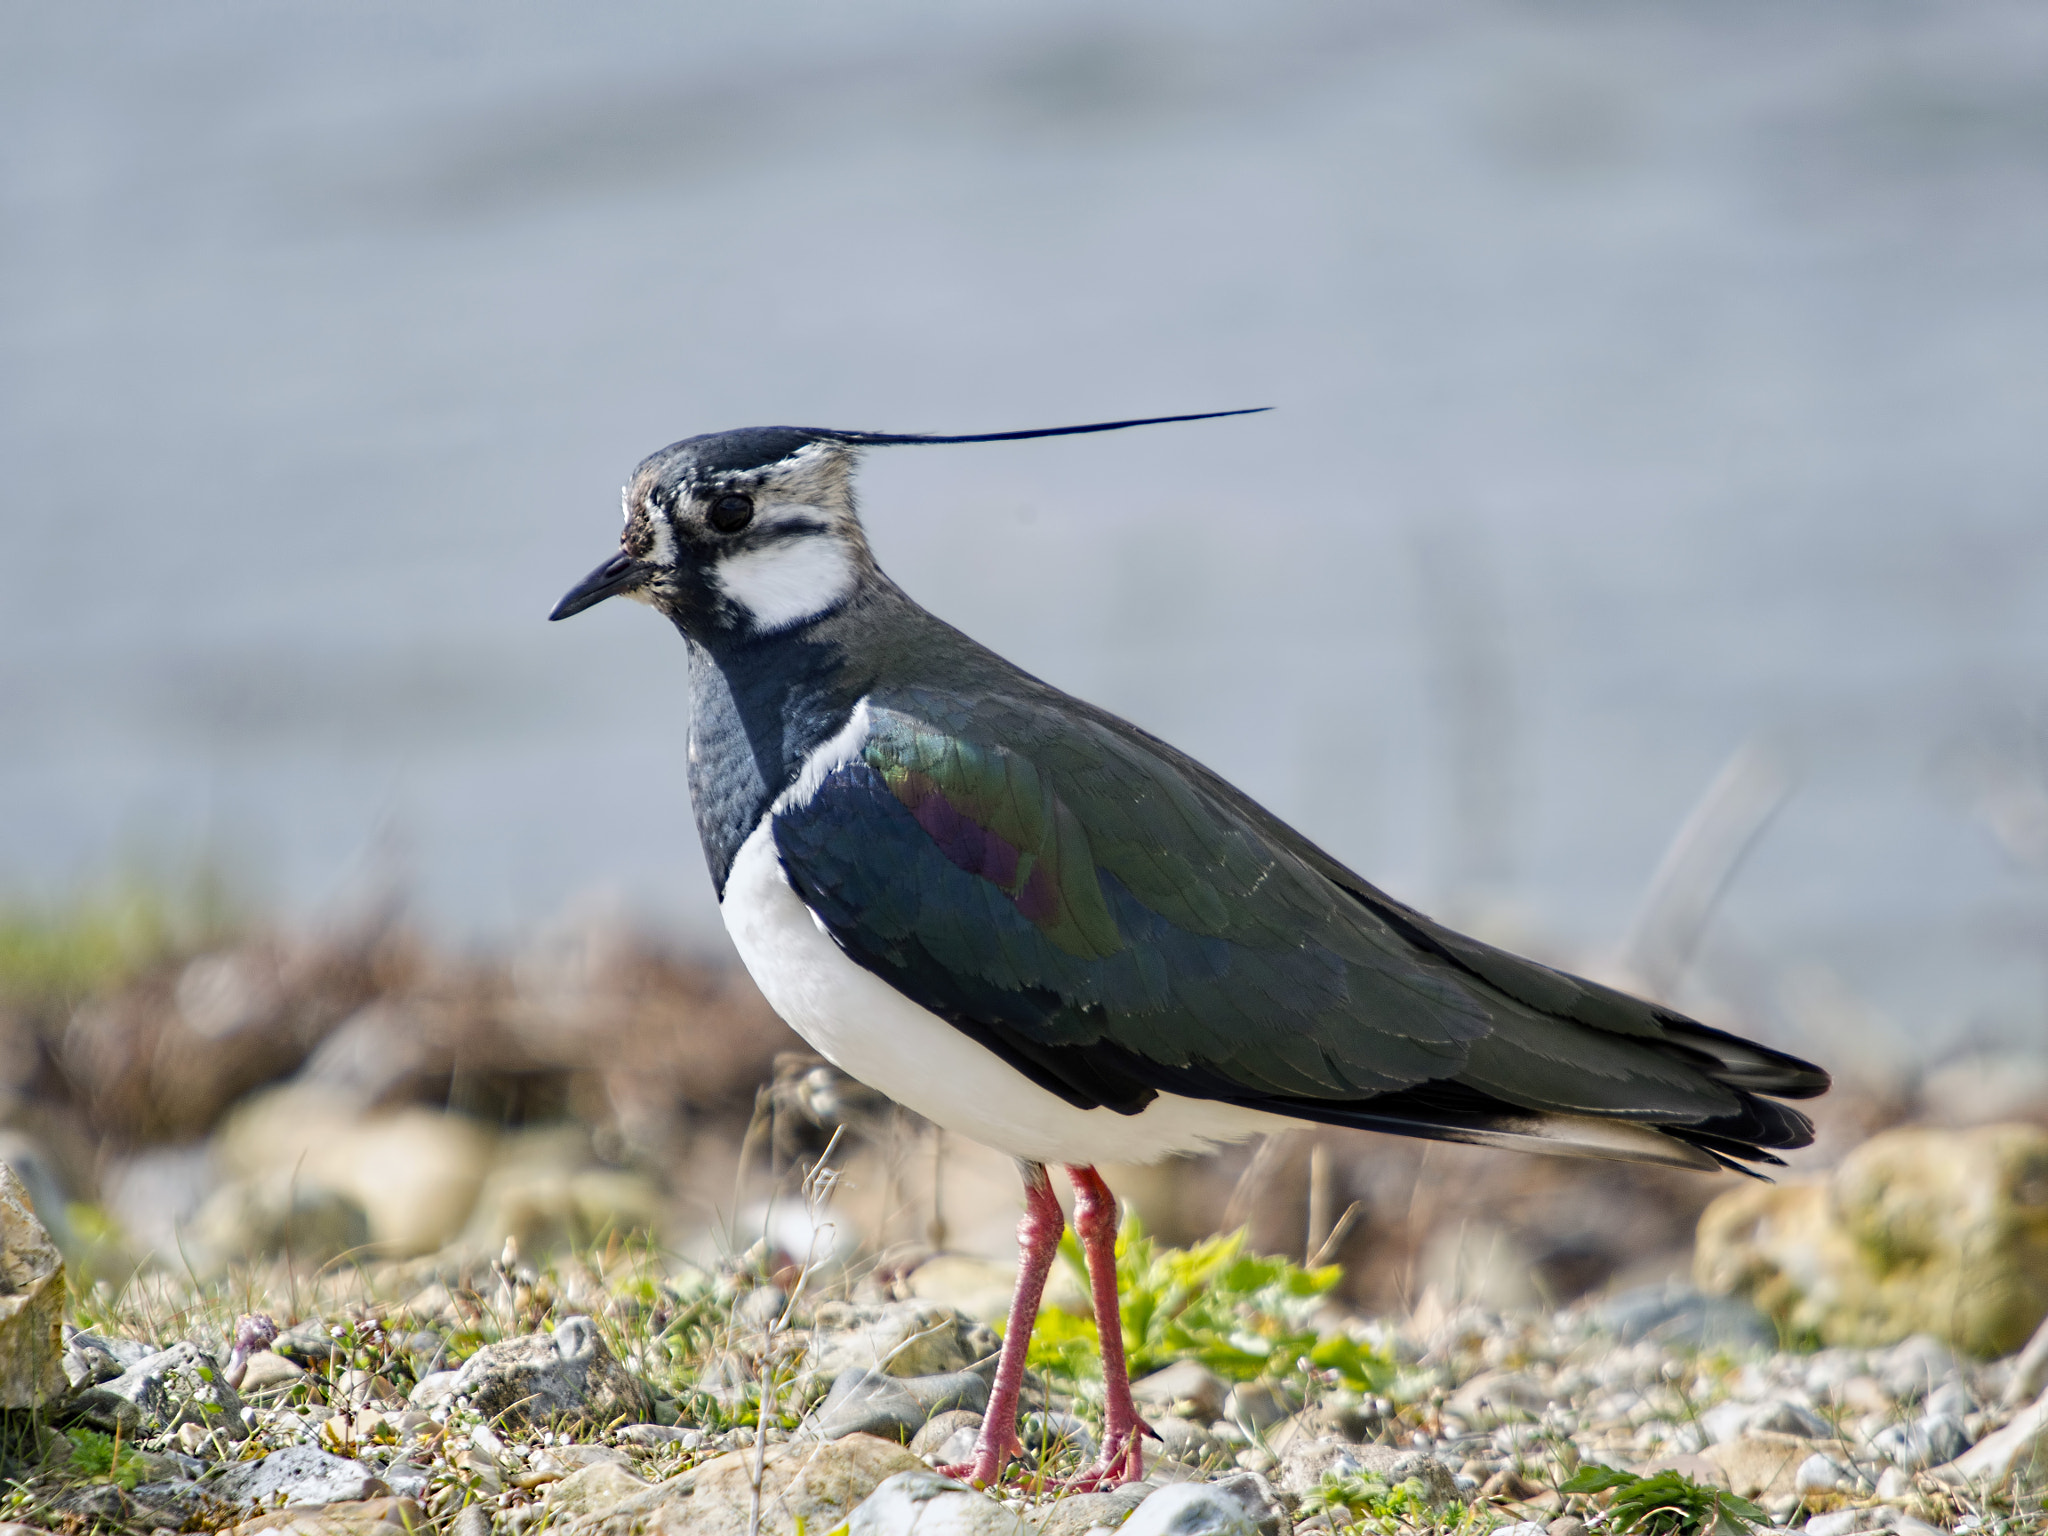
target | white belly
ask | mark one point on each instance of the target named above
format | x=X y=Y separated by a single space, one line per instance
x=868 y=1029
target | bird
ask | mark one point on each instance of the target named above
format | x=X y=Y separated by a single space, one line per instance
x=1041 y=927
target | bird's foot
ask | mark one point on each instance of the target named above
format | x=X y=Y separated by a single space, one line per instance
x=1122 y=1460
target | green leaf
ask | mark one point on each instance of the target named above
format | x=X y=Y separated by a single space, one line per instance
x=1243 y=1315
x=1595 y=1478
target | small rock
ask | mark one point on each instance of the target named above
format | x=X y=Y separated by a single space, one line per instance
x=1908 y=1525
x=1788 y=1418
x=2002 y=1453
x=1051 y=1434
x=1758 y=1468
x=1256 y=1497
x=544 y=1378
x=1566 y=1525
x=1698 y=1468
x=364 y=1387
x=179 y=1385
x=867 y=1402
x=1683 y=1315
x=1080 y=1513
x=1303 y=1468
x=903 y=1338
x=1256 y=1406
x=1521 y=1528
x=1191 y=1443
x=472 y=1520
x=1189 y=1509
x=662 y=1434
x=298 y=1474
x=268 y=1369
x=1508 y=1484
x=1187 y=1386
x=1944 y=1437
x=175 y=1502
x=31 y=1303
x=1928 y=1442
x=1916 y=1366
x=819 y=1484
x=922 y=1503
x=593 y=1488
x=948 y=1438
x=365 y=1517
x=1840 y=1522
x=1821 y=1473
x=1725 y=1422
x=305 y=1343
x=434 y=1390
x=1494 y=1397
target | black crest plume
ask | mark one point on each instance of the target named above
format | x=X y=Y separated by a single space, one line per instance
x=880 y=439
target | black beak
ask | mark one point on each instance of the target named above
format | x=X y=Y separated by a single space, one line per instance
x=619 y=574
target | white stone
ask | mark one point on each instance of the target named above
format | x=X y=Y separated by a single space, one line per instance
x=926 y=1504
x=2002 y=1453
x=1189 y=1509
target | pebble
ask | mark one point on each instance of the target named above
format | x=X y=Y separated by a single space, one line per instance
x=1485 y=1402
x=948 y=1438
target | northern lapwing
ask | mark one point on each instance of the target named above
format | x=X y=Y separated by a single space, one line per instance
x=1041 y=927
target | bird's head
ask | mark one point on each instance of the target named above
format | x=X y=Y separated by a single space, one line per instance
x=753 y=532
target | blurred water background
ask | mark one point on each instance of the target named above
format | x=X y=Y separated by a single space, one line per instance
x=1651 y=381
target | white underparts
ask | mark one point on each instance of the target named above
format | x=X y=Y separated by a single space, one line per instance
x=868 y=1029
x=786 y=582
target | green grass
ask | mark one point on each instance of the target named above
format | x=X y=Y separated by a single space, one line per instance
x=1665 y=1503
x=52 y=954
x=1243 y=1315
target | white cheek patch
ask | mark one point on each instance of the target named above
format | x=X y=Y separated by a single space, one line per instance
x=786 y=583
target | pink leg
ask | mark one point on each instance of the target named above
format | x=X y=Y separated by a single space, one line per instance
x=1038 y=1240
x=1095 y=1224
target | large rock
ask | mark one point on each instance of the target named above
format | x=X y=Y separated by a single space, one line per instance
x=31 y=1303
x=813 y=1485
x=901 y=1338
x=865 y=1402
x=298 y=1474
x=923 y=1503
x=2016 y=1453
x=1762 y=1466
x=1190 y=1509
x=1079 y=1513
x=414 y=1172
x=177 y=1386
x=1918 y=1229
x=541 y=1378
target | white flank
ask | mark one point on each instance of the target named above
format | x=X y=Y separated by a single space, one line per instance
x=842 y=749
x=868 y=1029
x=786 y=583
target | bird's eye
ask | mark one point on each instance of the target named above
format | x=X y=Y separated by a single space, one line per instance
x=732 y=512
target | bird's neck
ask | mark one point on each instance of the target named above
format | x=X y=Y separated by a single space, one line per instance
x=759 y=706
